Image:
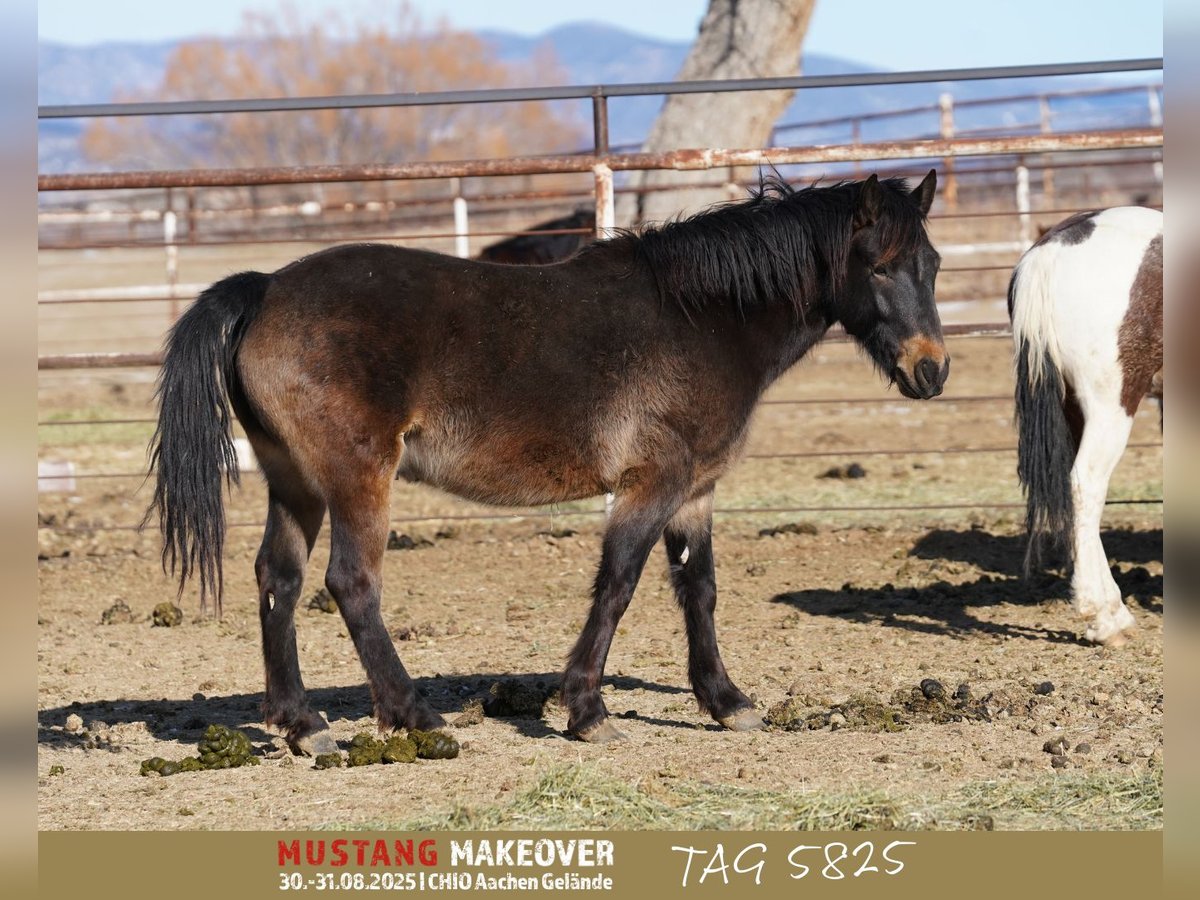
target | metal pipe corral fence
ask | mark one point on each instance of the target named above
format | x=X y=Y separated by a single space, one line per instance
x=600 y=163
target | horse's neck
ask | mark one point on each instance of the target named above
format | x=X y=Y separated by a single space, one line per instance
x=776 y=340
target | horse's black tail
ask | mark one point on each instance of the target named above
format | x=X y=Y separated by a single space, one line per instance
x=1045 y=446
x=193 y=445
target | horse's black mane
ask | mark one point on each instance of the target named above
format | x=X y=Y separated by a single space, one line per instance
x=779 y=245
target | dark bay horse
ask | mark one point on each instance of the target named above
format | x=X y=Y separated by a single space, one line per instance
x=539 y=249
x=631 y=368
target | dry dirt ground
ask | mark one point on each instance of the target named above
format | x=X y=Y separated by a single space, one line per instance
x=850 y=605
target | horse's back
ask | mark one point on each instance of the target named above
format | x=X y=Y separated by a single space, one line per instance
x=1073 y=290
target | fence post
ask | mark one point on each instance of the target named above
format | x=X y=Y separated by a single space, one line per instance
x=1047 y=172
x=599 y=123
x=733 y=190
x=462 y=237
x=606 y=213
x=191 y=215
x=606 y=223
x=855 y=140
x=1025 y=233
x=170 y=226
x=1156 y=121
x=950 y=183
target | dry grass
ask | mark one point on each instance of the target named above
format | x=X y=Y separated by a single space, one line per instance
x=583 y=796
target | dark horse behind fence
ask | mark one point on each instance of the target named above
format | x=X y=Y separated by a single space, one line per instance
x=539 y=248
x=631 y=368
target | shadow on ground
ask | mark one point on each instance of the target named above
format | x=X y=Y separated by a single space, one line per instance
x=943 y=607
x=1005 y=554
x=186 y=719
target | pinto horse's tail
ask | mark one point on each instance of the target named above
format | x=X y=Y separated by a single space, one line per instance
x=1045 y=446
x=192 y=446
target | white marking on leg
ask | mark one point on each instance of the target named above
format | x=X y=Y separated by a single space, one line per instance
x=1095 y=591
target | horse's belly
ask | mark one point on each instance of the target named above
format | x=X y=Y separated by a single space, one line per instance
x=501 y=472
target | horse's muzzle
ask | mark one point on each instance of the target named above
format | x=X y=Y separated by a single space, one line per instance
x=922 y=369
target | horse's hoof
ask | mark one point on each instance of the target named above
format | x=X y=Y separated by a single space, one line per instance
x=1111 y=638
x=604 y=733
x=743 y=720
x=314 y=744
x=1113 y=630
x=426 y=720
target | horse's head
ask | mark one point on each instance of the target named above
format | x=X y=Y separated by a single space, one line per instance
x=887 y=299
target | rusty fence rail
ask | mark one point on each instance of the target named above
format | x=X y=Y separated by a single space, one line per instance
x=677 y=160
x=308 y=216
x=340 y=236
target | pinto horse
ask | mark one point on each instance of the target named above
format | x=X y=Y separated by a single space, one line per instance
x=1086 y=309
x=631 y=368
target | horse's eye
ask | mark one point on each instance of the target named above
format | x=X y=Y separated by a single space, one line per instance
x=881 y=270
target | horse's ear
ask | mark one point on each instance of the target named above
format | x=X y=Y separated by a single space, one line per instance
x=870 y=198
x=923 y=192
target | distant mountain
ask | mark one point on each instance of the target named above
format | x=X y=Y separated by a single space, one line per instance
x=592 y=53
x=97 y=73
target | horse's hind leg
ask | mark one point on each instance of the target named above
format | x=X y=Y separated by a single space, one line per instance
x=358 y=520
x=694 y=579
x=1105 y=433
x=293 y=520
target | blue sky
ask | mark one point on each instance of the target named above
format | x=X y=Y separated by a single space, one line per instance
x=890 y=34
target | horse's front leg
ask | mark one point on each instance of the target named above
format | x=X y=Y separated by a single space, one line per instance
x=634 y=527
x=688 y=537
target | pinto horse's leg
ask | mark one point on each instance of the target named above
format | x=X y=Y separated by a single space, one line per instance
x=1095 y=592
x=636 y=522
x=293 y=521
x=358 y=519
x=689 y=541
x=694 y=579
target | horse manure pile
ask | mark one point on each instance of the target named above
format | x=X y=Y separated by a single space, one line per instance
x=220 y=748
x=96 y=735
x=156 y=764
x=855 y=714
x=397 y=541
x=928 y=703
x=513 y=699
x=434 y=744
x=117 y=614
x=328 y=761
x=472 y=714
x=843 y=473
x=322 y=601
x=790 y=528
x=167 y=615
x=368 y=750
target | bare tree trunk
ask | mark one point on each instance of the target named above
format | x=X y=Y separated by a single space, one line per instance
x=737 y=39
